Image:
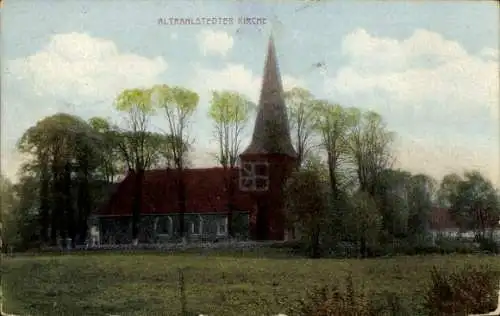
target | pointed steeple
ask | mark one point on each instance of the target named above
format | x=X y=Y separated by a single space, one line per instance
x=271 y=134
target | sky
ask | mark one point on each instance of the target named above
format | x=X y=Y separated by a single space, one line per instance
x=429 y=68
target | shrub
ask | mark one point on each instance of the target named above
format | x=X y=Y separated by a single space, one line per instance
x=333 y=301
x=489 y=245
x=468 y=291
x=448 y=245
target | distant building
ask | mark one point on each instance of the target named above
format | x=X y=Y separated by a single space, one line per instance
x=257 y=202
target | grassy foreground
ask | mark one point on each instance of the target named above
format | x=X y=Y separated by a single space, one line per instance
x=215 y=284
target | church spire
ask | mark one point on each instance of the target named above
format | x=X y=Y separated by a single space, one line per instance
x=271 y=133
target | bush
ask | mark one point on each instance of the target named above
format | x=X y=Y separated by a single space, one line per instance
x=489 y=245
x=453 y=245
x=332 y=301
x=467 y=291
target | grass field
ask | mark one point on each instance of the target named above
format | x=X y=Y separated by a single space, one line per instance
x=215 y=284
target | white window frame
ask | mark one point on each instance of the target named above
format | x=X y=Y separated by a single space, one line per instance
x=248 y=176
x=200 y=229
x=222 y=222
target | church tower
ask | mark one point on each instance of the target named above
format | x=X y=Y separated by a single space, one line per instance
x=270 y=158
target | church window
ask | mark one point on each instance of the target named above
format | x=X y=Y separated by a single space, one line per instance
x=165 y=225
x=254 y=176
x=261 y=169
x=195 y=227
x=222 y=226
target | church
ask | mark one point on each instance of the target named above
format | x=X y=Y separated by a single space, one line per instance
x=255 y=207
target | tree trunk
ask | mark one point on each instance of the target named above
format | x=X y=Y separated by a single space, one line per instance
x=315 y=243
x=137 y=202
x=44 y=203
x=363 y=248
x=68 y=202
x=181 y=194
x=83 y=201
x=55 y=207
x=230 y=194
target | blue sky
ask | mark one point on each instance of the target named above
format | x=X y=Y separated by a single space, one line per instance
x=430 y=68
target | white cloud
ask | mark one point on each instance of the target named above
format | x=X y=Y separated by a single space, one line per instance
x=76 y=65
x=438 y=158
x=435 y=81
x=422 y=69
x=237 y=77
x=489 y=53
x=290 y=82
x=215 y=42
x=72 y=68
x=233 y=77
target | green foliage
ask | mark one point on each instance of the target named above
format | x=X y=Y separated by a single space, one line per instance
x=230 y=112
x=363 y=221
x=475 y=203
x=463 y=292
x=301 y=113
x=65 y=154
x=331 y=121
x=448 y=189
x=178 y=105
x=19 y=217
x=369 y=147
x=308 y=209
x=228 y=107
x=131 y=100
x=332 y=300
x=489 y=244
x=180 y=100
x=9 y=221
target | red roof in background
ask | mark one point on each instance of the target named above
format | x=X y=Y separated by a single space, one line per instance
x=441 y=219
x=205 y=192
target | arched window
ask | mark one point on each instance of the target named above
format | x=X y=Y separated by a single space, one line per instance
x=164 y=225
x=196 y=226
x=222 y=226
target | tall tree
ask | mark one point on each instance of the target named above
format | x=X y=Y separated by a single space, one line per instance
x=8 y=233
x=363 y=221
x=368 y=148
x=51 y=144
x=332 y=123
x=476 y=205
x=136 y=104
x=307 y=204
x=393 y=192
x=178 y=105
x=19 y=213
x=111 y=162
x=230 y=113
x=448 y=189
x=300 y=114
x=420 y=204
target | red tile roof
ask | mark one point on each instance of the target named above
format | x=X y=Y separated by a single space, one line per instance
x=205 y=193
